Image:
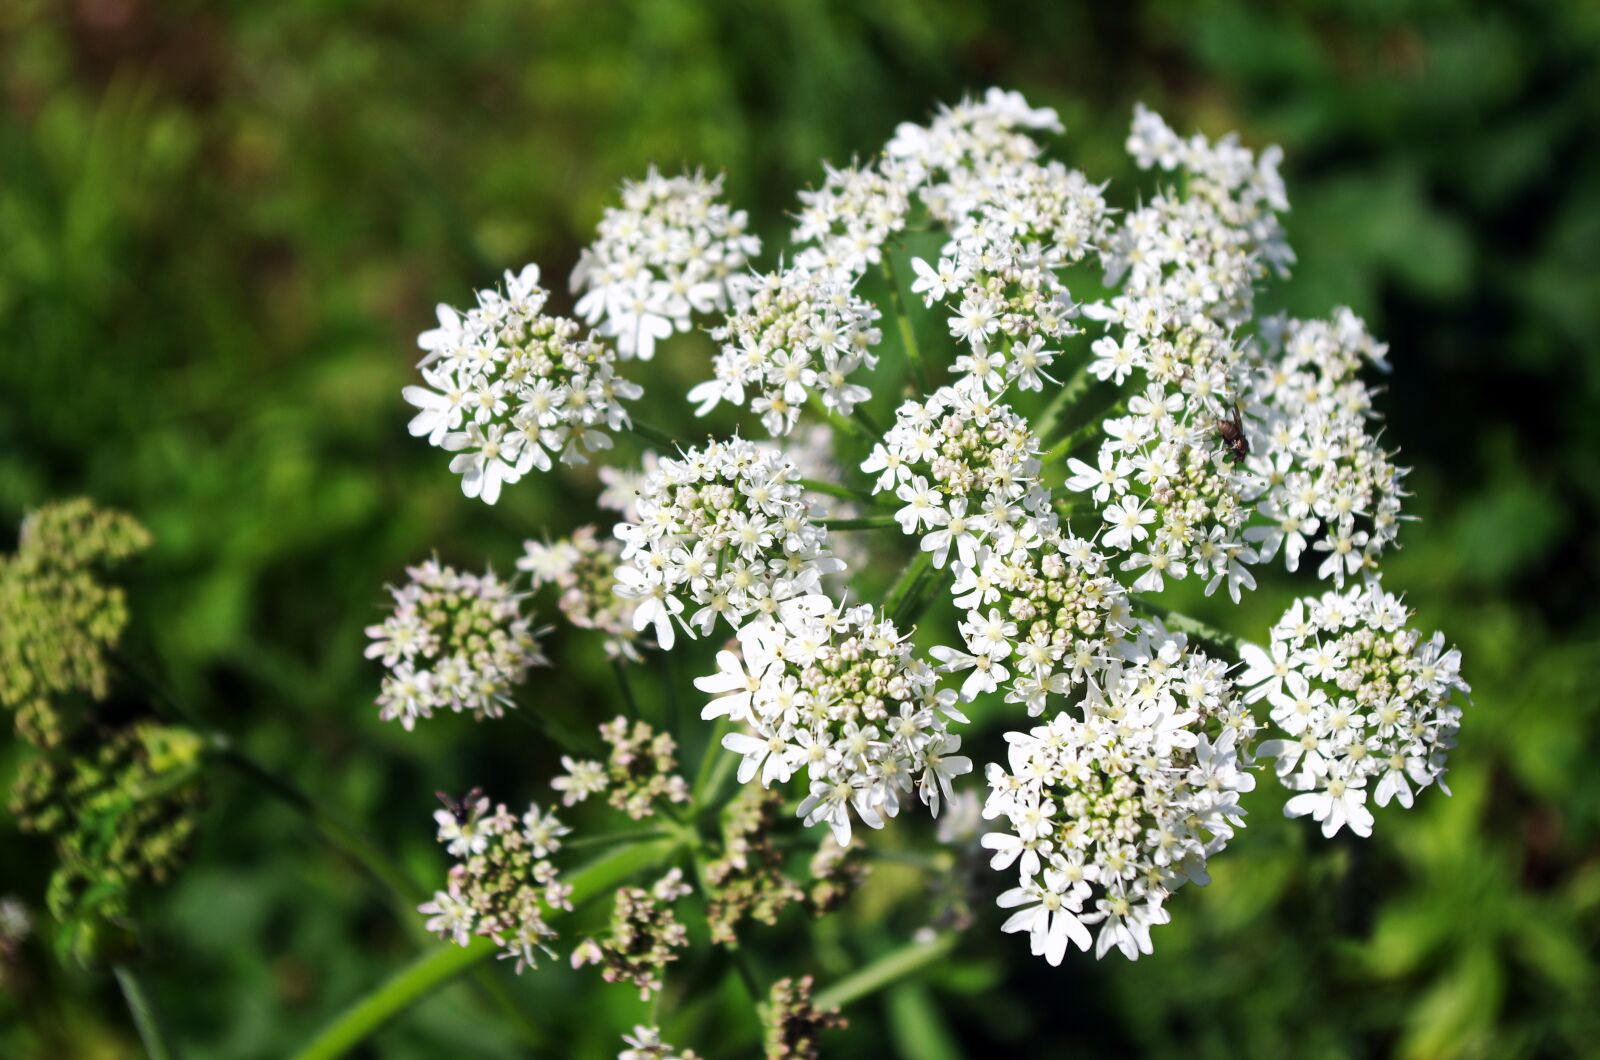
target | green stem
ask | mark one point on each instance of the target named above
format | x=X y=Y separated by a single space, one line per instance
x=417 y=980
x=160 y=695
x=589 y=842
x=556 y=731
x=834 y=489
x=1084 y=434
x=1067 y=507
x=710 y=759
x=939 y=863
x=445 y=963
x=926 y=594
x=903 y=589
x=711 y=783
x=747 y=975
x=1074 y=388
x=884 y=971
x=735 y=952
x=143 y=1013
x=402 y=893
x=908 y=335
x=860 y=415
x=656 y=436
x=1179 y=622
x=618 y=667
x=1069 y=445
x=841 y=424
x=865 y=522
x=669 y=679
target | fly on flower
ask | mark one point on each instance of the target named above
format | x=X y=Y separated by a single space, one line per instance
x=459 y=808
x=1233 y=436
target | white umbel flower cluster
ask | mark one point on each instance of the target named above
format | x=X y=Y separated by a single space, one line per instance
x=1043 y=618
x=848 y=219
x=583 y=569
x=503 y=882
x=1186 y=439
x=795 y=335
x=842 y=226
x=1366 y=705
x=805 y=332
x=1172 y=495
x=1114 y=805
x=672 y=250
x=838 y=693
x=965 y=467
x=457 y=642
x=1201 y=248
x=507 y=385
x=998 y=276
x=1320 y=474
x=1043 y=613
x=723 y=529
x=954 y=160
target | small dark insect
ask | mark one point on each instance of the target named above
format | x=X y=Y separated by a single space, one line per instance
x=1232 y=431
x=460 y=808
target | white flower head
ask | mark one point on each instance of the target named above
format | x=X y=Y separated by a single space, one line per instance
x=834 y=699
x=1115 y=804
x=1321 y=477
x=1202 y=250
x=672 y=250
x=723 y=534
x=1365 y=706
x=795 y=335
x=965 y=467
x=503 y=883
x=454 y=641
x=507 y=386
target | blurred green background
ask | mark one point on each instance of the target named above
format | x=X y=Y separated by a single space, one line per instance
x=222 y=225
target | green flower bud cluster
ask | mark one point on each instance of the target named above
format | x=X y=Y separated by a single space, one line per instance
x=58 y=620
x=748 y=879
x=121 y=809
x=645 y=936
x=794 y=1022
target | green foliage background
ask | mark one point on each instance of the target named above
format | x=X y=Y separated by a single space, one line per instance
x=222 y=225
